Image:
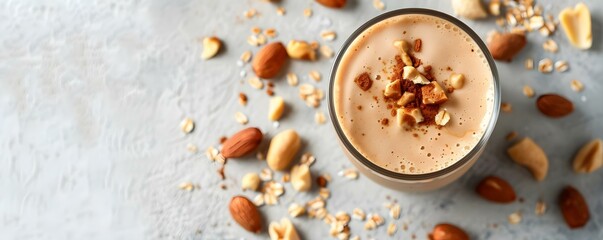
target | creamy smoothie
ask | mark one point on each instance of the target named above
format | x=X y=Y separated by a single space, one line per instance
x=391 y=135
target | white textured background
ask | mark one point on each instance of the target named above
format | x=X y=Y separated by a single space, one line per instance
x=92 y=93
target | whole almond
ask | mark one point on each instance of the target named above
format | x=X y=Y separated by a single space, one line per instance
x=590 y=157
x=283 y=148
x=554 y=105
x=332 y=3
x=573 y=207
x=268 y=62
x=504 y=46
x=496 y=189
x=446 y=231
x=246 y=214
x=242 y=143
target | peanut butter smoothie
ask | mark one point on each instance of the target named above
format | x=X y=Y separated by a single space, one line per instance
x=413 y=93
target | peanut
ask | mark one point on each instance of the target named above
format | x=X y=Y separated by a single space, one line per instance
x=283 y=230
x=283 y=148
x=590 y=157
x=527 y=153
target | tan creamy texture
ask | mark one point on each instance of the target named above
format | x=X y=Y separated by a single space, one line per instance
x=390 y=147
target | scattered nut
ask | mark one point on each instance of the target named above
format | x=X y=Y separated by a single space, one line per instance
x=590 y=157
x=540 y=208
x=442 y=117
x=292 y=79
x=528 y=154
x=276 y=108
x=392 y=90
x=577 y=86
x=471 y=9
x=412 y=74
x=191 y=148
x=406 y=98
x=515 y=218
x=573 y=207
x=270 y=32
x=504 y=46
x=283 y=148
x=187 y=186
x=246 y=214
x=433 y=93
x=283 y=230
x=553 y=105
x=281 y=11
x=349 y=173
x=242 y=143
x=357 y=213
x=494 y=7
x=251 y=181
x=211 y=47
x=561 y=66
x=269 y=60
x=379 y=5
x=242 y=99
x=326 y=51
x=241 y=118
x=506 y=107
x=457 y=80
x=328 y=35
x=391 y=229
x=308 y=12
x=301 y=180
x=408 y=117
x=528 y=91
x=212 y=153
x=332 y=3
x=496 y=189
x=446 y=231
x=187 y=125
x=576 y=23
x=246 y=56
x=301 y=50
x=255 y=82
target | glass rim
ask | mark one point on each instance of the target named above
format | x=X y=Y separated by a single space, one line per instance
x=458 y=164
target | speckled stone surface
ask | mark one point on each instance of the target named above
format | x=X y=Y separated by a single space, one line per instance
x=92 y=94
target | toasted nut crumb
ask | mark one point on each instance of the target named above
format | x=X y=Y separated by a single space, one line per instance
x=545 y=65
x=577 y=85
x=540 y=208
x=296 y=210
x=314 y=75
x=550 y=46
x=308 y=12
x=319 y=118
x=187 y=125
x=392 y=90
x=511 y=136
x=328 y=35
x=457 y=80
x=246 y=56
x=292 y=79
x=379 y=5
x=528 y=91
x=515 y=218
x=241 y=118
x=243 y=99
x=276 y=108
x=506 y=107
x=326 y=51
x=529 y=63
x=406 y=98
x=255 y=82
x=561 y=66
x=251 y=181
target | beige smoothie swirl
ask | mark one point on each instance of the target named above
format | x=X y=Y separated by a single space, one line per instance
x=381 y=125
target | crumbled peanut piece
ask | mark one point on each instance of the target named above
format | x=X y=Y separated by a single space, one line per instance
x=442 y=117
x=408 y=117
x=328 y=35
x=406 y=98
x=433 y=93
x=457 y=80
x=392 y=90
x=301 y=50
x=412 y=74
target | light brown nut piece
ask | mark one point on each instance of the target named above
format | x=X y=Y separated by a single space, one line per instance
x=457 y=80
x=283 y=148
x=442 y=118
x=576 y=23
x=412 y=74
x=211 y=47
x=471 y=9
x=528 y=91
x=528 y=154
x=433 y=93
x=246 y=214
x=251 y=181
x=268 y=62
x=406 y=98
x=301 y=179
x=283 y=230
x=504 y=46
x=408 y=117
x=301 y=50
x=392 y=90
x=590 y=157
x=276 y=108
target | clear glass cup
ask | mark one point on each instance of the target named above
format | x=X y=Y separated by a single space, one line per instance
x=414 y=182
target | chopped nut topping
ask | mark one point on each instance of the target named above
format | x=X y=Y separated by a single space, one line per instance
x=406 y=98
x=412 y=74
x=561 y=66
x=408 y=117
x=442 y=117
x=292 y=79
x=457 y=80
x=577 y=86
x=241 y=118
x=528 y=91
x=433 y=93
x=392 y=90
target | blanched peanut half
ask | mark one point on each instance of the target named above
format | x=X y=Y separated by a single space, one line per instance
x=590 y=157
x=471 y=9
x=276 y=109
x=528 y=154
x=442 y=117
x=301 y=179
x=457 y=80
x=251 y=181
x=211 y=46
x=283 y=148
x=576 y=23
x=283 y=230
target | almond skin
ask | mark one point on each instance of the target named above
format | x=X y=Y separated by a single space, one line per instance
x=496 y=189
x=554 y=105
x=242 y=143
x=504 y=46
x=573 y=207
x=332 y=3
x=246 y=214
x=268 y=62
x=446 y=231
